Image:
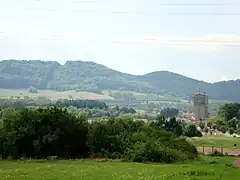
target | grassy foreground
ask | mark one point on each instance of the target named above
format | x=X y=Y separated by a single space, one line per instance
x=207 y=168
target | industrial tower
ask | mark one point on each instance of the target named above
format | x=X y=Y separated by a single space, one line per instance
x=200 y=105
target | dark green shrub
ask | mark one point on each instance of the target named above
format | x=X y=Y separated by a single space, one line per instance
x=191 y=131
x=231 y=130
x=158 y=151
x=216 y=153
x=201 y=125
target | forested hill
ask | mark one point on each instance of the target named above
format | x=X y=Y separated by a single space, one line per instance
x=80 y=75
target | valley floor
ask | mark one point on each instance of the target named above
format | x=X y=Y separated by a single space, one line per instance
x=206 y=168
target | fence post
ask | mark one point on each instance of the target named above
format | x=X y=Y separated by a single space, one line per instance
x=212 y=149
x=203 y=150
x=222 y=149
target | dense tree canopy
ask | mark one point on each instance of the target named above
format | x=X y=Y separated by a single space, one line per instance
x=81 y=104
x=52 y=131
x=21 y=103
x=228 y=118
x=229 y=110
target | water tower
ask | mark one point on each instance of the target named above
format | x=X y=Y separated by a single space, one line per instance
x=200 y=105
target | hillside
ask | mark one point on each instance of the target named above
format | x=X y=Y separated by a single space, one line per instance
x=89 y=76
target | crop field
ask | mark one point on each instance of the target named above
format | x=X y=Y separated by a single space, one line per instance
x=53 y=95
x=206 y=168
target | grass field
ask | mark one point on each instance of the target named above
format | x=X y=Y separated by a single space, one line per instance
x=53 y=95
x=216 y=141
x=208 y=144
x=206 y=168
x=143 y=96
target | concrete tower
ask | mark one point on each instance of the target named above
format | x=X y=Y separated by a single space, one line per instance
x=200 y=105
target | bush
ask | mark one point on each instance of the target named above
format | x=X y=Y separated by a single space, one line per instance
x=223 y=129
x=161 y=146
x=154 y=151
x=216 y=153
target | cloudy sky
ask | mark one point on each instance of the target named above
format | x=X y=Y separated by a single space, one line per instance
x=191 y=37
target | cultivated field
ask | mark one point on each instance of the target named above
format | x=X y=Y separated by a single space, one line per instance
x=206 y=168
x=53 y=95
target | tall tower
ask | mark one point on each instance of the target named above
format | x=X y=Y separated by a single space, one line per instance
x=200 y=103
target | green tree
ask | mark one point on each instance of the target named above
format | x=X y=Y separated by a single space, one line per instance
x=229 y=110
x=231 y=130
x=176 y=127
x=191 y=131
x=169 y=112
x=201 y=125
x=43 y=132
x=238 y=114
x=206 y=130
x=209 y=124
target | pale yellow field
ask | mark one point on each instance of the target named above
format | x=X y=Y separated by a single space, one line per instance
x=53 y=95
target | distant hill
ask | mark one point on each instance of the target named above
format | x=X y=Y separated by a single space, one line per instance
x=89 y=76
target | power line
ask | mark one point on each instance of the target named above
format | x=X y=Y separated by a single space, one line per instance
x=167 y=13
x=199 y=4
x=164 y=44
x=199 y=40
x=169 y=42
x=142 y=12
x=162 y=41
x=223 y=45
x=84 y=2
x=166 y=4
x=154 y=12
x=203 y=13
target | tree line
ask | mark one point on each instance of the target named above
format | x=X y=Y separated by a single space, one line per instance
x=63 y=103
x=81 y=104
x=93 y=108
x=53 y=131
x=228 y=118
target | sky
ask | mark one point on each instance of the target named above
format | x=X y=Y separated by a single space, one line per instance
x=194 y=38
